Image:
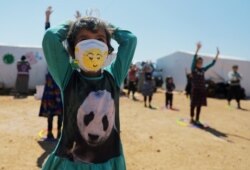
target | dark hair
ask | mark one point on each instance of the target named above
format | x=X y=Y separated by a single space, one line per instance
x=92 y=24
x=23 y=58
x=168 y=78
x=235 y=66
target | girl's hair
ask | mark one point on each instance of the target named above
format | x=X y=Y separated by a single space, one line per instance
x=92 y=24
x=235 y=66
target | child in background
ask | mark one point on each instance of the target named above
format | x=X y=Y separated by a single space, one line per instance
x=234 y=90
x=22 y=80
x=170 y=86
x=148 y=89
x=132 y=81
x=198 y=92
x=91 y=128
x=51 y=103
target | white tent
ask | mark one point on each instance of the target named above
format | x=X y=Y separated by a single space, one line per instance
x=35 y=57
x=8 y=70
x=175 y=64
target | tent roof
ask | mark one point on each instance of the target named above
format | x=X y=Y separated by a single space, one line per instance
x=21 y=46
x=209 y=55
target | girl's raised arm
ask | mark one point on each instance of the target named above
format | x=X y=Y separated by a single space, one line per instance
x=198 y=47
x=48 y=12
x=56 y=55
x=214 y=61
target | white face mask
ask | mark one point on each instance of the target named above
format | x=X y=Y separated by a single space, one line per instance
x=91 y=55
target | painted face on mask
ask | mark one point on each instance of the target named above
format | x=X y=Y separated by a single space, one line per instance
x=91 y=55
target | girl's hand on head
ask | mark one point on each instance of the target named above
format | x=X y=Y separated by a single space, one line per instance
x=111 y=28
x=78 y=14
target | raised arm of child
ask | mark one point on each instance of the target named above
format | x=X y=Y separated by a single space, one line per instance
x=48 y=12
x=127 y=44
x=213 y=62
x=198 y=47
x=56 y=55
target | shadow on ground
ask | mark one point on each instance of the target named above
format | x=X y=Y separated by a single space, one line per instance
x=48 y=147
x=222 y=135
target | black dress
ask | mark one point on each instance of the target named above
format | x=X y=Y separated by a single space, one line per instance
x=198 y=92
x=198 y=89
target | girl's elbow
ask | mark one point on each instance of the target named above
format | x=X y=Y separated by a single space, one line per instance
x=48 y=36
x=133 y=39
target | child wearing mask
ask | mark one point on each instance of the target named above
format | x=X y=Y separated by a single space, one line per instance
x=91 y=128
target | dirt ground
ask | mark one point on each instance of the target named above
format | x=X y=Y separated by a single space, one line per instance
x=157 y=139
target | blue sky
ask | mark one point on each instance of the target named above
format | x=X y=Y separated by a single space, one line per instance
x=162 y=26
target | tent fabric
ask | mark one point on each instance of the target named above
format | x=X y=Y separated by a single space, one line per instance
x=34 y=55
x=174 y=65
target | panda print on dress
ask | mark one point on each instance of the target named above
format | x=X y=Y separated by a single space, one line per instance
x=96 y=124
x=95 y=117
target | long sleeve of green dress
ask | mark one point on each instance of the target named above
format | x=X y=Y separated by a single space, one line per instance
x=56 y=55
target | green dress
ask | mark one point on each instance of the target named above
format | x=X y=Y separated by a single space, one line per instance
x=90 y=137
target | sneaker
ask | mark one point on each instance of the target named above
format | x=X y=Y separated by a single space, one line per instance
x=145 y=105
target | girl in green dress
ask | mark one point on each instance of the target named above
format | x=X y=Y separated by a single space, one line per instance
x=90 y=137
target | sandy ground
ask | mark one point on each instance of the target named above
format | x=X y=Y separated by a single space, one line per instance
x=152 y=139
